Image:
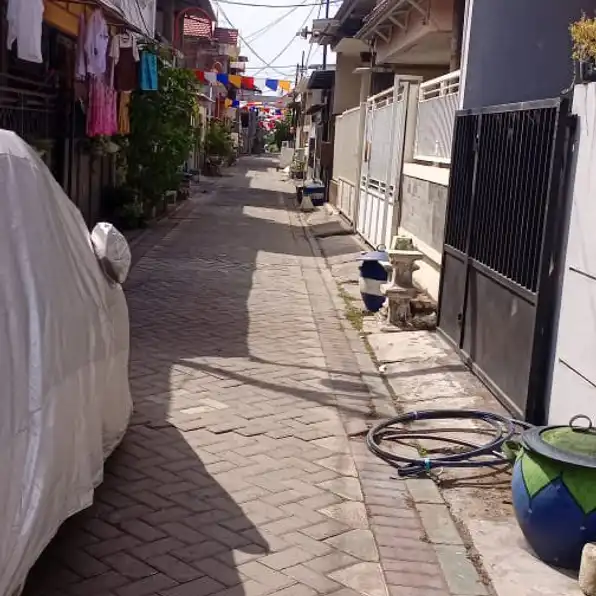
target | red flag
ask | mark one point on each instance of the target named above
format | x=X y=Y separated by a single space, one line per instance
x=248 y=83
x=200 y=76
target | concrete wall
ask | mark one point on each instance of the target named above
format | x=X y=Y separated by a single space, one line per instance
x=419 y=43
x=574 y=376
x=347 y=84
x=518 y=50
x=424 y=199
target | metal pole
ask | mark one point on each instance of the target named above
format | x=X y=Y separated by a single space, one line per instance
x=325 y=46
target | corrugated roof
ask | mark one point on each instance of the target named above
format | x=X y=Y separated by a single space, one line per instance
x=195 y=26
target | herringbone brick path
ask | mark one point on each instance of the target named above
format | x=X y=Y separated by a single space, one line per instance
x=237 y=476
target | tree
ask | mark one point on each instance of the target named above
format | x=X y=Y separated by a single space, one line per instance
x=281 y=132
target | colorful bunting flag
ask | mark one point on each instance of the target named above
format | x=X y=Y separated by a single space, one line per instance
x=240 y=82
x=210 y=77
x=271 y=84
x=236 y=80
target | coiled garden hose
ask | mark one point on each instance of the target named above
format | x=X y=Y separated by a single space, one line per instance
x=502 y=430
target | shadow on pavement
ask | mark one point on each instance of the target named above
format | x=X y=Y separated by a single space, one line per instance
x=165 y=516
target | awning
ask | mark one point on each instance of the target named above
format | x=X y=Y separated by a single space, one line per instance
x=321 y=79
x=314 y=109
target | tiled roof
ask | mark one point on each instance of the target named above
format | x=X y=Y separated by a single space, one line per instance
x=197 y=27
x=225 y=35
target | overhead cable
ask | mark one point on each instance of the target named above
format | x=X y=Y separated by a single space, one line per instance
x=285 y=48
x=256 y=54
x=256 y=34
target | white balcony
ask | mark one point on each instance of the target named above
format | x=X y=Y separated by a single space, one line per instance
x=437 y=105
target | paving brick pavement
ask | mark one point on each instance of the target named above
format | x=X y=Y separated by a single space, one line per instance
x=239 y=475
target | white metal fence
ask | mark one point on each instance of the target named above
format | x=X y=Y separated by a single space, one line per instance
x=382 y=164
x=345 y=160
x=437 y=105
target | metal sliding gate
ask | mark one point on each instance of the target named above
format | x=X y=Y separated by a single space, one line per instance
x=382 y=160
x=506 y=217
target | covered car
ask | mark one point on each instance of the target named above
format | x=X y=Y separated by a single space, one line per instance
x=65 y=401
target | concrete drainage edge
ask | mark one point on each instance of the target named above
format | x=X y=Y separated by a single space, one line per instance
x=458 y=558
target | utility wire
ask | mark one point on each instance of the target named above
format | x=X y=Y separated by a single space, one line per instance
x=259 y=57
x=256 y=34
x=292 y=40
x=312 y=45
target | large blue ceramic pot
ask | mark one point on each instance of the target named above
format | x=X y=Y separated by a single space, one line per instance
x=554 y=492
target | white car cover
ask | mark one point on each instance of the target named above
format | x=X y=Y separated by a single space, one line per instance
x=64 y=343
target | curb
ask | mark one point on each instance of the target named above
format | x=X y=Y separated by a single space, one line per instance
x=462 y=570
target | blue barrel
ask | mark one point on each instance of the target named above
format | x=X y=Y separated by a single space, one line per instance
x=372 y=275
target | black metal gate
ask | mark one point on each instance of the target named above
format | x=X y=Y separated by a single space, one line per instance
x=506 y=217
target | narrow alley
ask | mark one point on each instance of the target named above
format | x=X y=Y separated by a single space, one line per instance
x=237 y=475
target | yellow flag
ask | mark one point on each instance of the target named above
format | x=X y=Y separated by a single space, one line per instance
x=228 y=102
x=285 y=85
x=236 y=80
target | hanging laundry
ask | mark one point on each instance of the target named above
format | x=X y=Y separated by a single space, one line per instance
x=101 y=113
x=125 y=55
x=25 y=23
x=81 y=61
x=124 y=113
x=148 y=71
x=96 y=44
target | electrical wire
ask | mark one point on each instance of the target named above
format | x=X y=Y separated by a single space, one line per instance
x=285 y=48
x=487 y=455
x=307 y=61
x=267 y=64
x=253 y=36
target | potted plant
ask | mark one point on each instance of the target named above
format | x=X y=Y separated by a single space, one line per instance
x=583 y=36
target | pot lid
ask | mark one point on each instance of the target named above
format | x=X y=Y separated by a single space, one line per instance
x=574 y=444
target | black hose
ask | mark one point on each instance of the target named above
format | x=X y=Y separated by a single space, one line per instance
x=487 y=455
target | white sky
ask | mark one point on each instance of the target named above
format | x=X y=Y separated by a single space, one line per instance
x=251 y=19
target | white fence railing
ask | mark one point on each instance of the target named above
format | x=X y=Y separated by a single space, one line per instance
x=437 y=105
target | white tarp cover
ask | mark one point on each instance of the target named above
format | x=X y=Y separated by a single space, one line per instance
x=64 y=342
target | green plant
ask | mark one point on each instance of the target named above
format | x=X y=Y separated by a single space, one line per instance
x=282 y=131
x=122 y=206
x=218 y=141
x=162 y=133
x=583 y=35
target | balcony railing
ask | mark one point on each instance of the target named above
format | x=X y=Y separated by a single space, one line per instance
x=437 y=105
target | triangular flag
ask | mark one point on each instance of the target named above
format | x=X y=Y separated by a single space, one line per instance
x=222 y=78
x=236 y=80
x=211 y=77
x=200 y=76
x=248 y=83
x=285 y=85
x=235 y=103
x=271 y=84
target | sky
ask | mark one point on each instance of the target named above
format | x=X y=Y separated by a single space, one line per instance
x=269 y=44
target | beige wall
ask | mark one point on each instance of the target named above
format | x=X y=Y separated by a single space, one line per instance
x=424 y=42
x=347 y=84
